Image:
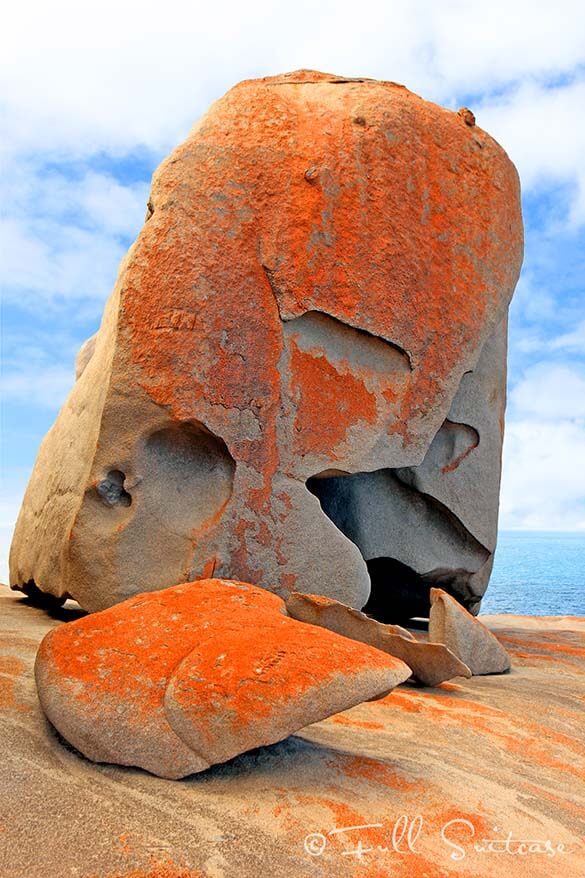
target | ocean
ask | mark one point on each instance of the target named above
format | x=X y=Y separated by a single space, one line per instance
x=538 y=573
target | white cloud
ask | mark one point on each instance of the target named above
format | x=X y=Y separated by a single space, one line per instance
x=93 y=200
x=23 y=257
x=570 y=341
x=64 y=236
x=532 y=300
x=142 y=74
x=44 y=387
x=45 y=260
x=479 y=43
x=543 y=131
x=117 y=209
x=567 y=343
x=543 y=480
x=550 y=391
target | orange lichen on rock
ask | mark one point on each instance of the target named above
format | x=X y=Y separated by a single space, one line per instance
x=376 y=771
x=356 y=723
x=157 y=869
x=11 y=665
x=328 y=403
x=11 y=668
x=7 y=699
x=503 y=754
x=157 y=682
x=323 y=261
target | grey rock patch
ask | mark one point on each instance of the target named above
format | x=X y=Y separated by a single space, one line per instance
x=431 y=663
x=466 y=636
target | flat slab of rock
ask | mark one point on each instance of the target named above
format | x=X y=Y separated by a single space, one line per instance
x=431 y=663
x=178 y=680
x=466 y=636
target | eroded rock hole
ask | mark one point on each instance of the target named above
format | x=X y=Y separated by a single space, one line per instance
x=397 y=593
x=111 y=489
x=189 y=476
x=409 y=540
x=345 y=345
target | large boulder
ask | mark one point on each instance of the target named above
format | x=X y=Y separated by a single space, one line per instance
x=299 y=378
x=178 y=680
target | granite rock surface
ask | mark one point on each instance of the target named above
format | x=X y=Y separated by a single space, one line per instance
x=466 y=636
x=501 y=751
x=431 y=663
x=178 y=680
x=299 y=378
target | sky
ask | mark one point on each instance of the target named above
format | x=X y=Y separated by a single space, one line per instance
x=94 y=95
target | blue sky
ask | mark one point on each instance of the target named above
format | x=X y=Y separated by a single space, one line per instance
x=94 y=97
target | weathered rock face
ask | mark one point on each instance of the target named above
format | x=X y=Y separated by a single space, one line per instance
x=468 y=638
x=156 y=682
x=320 y=289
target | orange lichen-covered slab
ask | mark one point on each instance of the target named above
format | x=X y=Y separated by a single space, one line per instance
x=175 y=681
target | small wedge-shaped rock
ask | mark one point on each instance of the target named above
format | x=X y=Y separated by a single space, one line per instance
x=466 y=636
x=431 y=663
x=177 y=680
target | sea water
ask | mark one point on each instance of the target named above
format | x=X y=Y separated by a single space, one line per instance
x=538 y=573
